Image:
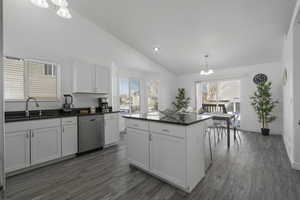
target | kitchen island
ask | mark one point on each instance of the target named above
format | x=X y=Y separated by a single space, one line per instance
x=169 y=147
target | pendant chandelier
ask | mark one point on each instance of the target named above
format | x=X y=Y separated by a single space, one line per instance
x=206 y=71
x=60 y=5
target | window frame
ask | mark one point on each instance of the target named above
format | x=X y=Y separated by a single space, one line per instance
x=147 y=95
x=26 y=81
x=129 y=92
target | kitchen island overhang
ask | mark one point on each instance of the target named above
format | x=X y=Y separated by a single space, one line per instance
x=168 y=148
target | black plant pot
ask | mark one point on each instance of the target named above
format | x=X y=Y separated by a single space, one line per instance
x=265 y=131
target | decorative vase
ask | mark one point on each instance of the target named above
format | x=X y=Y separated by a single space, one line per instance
x=265 y=131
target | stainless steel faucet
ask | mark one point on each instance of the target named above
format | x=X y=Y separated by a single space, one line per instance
x=36 y=104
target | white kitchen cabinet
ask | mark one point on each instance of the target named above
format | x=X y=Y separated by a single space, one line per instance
x=45 y=144
x=172 y=152
x=112 y=132
x=83 y=80
x=102 y=79
x=17 y=150
x=69 y=136
x=89 y=78
x=167 y=158
x=108 y=131
x=115 y=132
x=138 y=147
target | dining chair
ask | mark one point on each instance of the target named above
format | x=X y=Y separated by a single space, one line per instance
x=235 y=125
x=214 y=108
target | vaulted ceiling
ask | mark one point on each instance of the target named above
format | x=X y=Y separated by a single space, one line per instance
x=233 y=32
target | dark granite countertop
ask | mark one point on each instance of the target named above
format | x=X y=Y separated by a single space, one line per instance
x=179 y=119
x=17 y=116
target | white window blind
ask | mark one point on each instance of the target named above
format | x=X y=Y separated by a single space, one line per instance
x=14 y=71
x=42 y=80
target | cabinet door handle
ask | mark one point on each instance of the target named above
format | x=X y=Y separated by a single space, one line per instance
x=165 y=130
x=32 y=134
x=92 y=120
x=27 y=135
x=63 y=129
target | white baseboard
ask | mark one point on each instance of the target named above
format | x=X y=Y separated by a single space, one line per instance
x=295 y=165
x=286 y=145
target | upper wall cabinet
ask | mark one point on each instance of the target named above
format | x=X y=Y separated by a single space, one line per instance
x=102 y=79
x=91 y=79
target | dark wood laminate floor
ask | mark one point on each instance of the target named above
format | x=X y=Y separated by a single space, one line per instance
x=256 y=169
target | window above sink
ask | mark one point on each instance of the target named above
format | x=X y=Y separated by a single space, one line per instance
x=24 y=77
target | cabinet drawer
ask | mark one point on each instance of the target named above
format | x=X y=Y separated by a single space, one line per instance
x=33 y=124
x=168 y=129
x=69 y=120
x=138 y=124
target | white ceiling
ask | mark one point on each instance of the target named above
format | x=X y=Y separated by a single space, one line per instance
x=233 y=32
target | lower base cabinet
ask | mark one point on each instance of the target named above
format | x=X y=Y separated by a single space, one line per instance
x=173 y=153
x=112 y=132
x=138 y=147
x=69 y=136
x=45 y=145
x=167 y=158
x=34 y=142
x=160 y=154
x=17 y=150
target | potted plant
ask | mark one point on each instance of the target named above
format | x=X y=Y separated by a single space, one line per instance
x=264 y=105
x=182 y=103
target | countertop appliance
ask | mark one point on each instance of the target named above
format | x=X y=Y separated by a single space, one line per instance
x=67 y=106
x=90 y=133
x=103 y=105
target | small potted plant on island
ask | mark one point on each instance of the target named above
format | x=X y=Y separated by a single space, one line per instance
x=182 y=103
x=264 y=105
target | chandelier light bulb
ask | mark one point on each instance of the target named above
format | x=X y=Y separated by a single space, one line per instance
x=64 y=13
x=207 y=71
x=60 y=3
x=40 y=3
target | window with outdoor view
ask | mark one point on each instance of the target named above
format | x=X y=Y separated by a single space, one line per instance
x=225 y=92
x=130 y=98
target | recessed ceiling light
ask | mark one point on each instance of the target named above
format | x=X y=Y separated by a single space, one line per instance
x=156 y=49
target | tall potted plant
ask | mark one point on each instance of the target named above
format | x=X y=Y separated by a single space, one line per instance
x=264 y=105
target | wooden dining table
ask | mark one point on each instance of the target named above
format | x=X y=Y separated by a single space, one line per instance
x=227 y=117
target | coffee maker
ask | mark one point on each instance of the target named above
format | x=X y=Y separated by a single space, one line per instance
x=103 y=105
x=67 y=106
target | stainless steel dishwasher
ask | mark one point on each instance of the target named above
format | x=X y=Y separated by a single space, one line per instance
x=90 y=133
